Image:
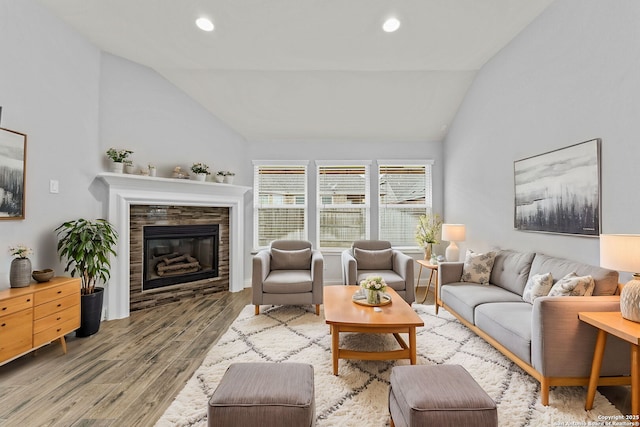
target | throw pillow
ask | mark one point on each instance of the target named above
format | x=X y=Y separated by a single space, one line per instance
x=374 y=260
x=573 y=285
x=537 y=286
x=477 y=267
x=291 y=260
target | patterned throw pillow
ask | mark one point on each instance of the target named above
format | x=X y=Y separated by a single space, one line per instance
x=573 y=285
x=477 y=267
x=537 y=286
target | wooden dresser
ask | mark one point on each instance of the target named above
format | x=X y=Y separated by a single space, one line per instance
x=36 y=315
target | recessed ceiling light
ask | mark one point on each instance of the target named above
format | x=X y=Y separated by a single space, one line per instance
x=391 y=25
x=204 y=24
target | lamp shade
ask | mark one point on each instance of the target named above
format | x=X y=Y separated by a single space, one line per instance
x=453 y=232
x=622 y=252
x=619 y=252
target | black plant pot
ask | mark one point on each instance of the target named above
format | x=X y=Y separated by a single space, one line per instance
x=90 y=313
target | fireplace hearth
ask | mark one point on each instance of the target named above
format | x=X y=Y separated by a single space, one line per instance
x=135 y=201
x=175 y=254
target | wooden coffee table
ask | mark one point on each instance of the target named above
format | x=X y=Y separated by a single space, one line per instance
x=343 y=315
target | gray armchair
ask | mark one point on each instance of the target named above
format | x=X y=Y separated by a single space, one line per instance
x=376 y=257
x=288 y=273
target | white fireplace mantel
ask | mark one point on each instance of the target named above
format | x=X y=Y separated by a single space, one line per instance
x=126 y=190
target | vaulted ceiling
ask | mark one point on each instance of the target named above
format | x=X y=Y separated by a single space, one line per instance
x=311 y=69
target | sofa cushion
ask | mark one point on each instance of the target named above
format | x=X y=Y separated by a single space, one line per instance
x=509 y=323
x=291 y=260
x=606 y=281
x=573 y=285
x=463 y=298
x=511 y=270
x=375 y=259
x=477 y=267
x=537 y=286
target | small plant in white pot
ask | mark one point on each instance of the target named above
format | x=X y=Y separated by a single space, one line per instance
x=201 y=170
x=228 y=177
x=118 y=157
x=220 y=176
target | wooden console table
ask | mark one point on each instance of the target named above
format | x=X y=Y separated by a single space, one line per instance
x=613 y=323
x=36 y=315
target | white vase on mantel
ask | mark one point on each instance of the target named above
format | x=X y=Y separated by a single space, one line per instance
x=201 y=177
x=117 y=167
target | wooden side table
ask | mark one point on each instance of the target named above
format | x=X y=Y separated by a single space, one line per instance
x=613 y=323
x=434 y=271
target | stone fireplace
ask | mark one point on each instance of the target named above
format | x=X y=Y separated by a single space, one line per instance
x=137 y=202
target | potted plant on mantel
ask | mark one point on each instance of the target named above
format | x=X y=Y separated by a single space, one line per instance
x=87 y=246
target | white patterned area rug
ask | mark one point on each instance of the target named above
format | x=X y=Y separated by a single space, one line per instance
x=358 y=395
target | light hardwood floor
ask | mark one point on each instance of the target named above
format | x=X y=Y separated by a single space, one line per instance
x=126 y=375
x=129 y=373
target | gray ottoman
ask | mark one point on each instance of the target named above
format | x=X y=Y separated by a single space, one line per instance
x=264 y=394
x=441 y=395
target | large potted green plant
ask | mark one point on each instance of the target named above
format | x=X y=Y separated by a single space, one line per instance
x=87 y=246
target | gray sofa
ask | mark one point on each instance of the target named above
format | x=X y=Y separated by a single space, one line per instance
x=546 y=338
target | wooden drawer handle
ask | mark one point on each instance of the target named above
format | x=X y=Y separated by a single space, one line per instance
x=4 y=324
x=4 y=308
x=28 y=299
x=59 y=318
x=59 y=305
x=59 y=292
x=58 y=330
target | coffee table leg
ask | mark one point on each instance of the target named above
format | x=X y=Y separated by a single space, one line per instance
x=412 y=345
x=335 y=341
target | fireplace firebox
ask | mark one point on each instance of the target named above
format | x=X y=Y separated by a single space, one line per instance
x=175 y=254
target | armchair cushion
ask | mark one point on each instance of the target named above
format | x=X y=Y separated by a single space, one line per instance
x=288 y=282
x=374 y=260
x=290 y=259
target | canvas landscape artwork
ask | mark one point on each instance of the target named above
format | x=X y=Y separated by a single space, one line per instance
x=12 y=172
x=559 y=191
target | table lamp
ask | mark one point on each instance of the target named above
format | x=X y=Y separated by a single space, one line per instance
x=621 y=252
x=453 y=233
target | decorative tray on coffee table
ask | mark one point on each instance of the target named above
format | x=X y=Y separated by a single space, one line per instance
x=360 y=298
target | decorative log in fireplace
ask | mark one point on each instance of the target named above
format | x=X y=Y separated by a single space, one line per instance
x=175 y=254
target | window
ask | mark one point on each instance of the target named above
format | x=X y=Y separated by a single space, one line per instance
x=280 y=202
x=404 y=195
x=343 y=204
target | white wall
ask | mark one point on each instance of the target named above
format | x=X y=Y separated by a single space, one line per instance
x=345 y=150
x=571 y=76
x=140 y=110
x=74 y=102
x=48 y=90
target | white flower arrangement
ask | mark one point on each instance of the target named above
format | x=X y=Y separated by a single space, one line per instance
x=374 y=283
x=20 y=251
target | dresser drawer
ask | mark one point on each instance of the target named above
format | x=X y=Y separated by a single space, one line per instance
x=57 y=319
x=55 y=306
x=16 y=332
x=55 y=332
x=13 y=305
x=57 y=292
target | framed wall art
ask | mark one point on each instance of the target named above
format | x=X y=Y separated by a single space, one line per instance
x=559 y=191
x=13 y=162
